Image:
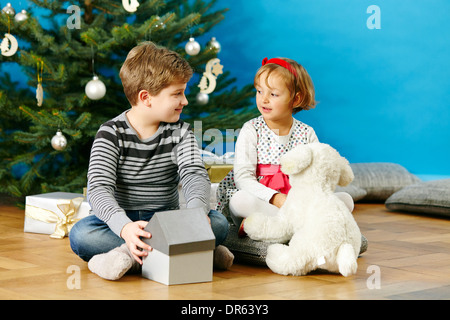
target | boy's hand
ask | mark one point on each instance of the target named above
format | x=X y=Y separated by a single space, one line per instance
x=132 y=233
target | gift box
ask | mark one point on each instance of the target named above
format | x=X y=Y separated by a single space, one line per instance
x=217 y=172
x=217 y=166
x=54 y=213
x=183 y=248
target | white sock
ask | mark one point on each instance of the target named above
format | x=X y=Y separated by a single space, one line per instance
x=113 y=264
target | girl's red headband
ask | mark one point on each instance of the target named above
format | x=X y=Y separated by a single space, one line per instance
x=282 y=63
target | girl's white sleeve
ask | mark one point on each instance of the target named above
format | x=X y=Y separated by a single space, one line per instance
x=245 y=161
x=312 y=137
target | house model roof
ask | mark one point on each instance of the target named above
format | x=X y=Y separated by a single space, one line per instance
x=180 y=231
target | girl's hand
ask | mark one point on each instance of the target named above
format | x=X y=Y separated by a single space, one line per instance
x=132 y=233
x=278 y=199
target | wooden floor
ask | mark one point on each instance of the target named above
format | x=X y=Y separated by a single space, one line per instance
x=408 y=258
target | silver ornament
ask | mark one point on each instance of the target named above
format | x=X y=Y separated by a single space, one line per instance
x=8 y=9
x=95 y=89
x=21 y=16
x=214 y=44
x=192 y=47
x=59 y=142
x=202 y=98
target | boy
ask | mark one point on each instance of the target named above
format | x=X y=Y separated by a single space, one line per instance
x=137 y=161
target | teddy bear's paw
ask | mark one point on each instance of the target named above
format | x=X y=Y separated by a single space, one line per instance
x=266 y=228
x=254 y=226
x=281 y=259
x=277 y=258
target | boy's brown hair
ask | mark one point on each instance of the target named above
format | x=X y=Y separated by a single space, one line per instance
x=151 y=67
x=300 y=84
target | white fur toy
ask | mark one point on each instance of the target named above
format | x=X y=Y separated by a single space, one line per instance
x=321 y=229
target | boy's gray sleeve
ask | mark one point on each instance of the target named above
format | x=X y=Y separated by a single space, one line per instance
x=102 y=174
x=194 y=178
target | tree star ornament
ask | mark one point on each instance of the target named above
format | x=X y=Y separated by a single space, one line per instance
x=130 y=5
x=212 y=71
x=9 y=45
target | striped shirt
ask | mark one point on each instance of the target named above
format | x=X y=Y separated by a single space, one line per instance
x=127 y=173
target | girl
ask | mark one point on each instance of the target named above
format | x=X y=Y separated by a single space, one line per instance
x=283 y=88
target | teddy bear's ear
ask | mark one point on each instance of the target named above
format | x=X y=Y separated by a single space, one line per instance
x=296 y=160
x=347 y=175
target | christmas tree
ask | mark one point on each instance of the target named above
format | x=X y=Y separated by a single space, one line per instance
x=71 y=63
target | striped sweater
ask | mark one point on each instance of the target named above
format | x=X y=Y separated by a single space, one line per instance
x=127 y=173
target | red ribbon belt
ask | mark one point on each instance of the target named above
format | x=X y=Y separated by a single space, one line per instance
x=273 y=177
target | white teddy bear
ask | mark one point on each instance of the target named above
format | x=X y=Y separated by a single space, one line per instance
x=321 y=229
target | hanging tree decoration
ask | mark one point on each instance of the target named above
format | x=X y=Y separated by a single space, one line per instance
x=208 y=82
x=214 y=45
x=130 y=5
x=39 y=89
x=9 y=43
x=192 y=47
x=21 y=16
x=59 y=141
x=9 y=10
x=95 y=89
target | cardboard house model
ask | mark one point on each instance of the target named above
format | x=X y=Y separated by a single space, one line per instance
x=183 y=246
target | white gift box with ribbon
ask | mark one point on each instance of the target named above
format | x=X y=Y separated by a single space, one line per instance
x=54 y=213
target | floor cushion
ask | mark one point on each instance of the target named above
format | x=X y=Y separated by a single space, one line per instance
x=431 y=197
x=380 y=180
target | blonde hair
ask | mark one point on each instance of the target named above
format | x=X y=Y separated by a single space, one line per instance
x=151 y=67
x=300 y=84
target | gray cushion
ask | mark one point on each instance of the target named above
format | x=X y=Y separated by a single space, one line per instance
x=432 y=197
x=246 y=250
x=355 y=192
x=380 y=180
x=254 y=252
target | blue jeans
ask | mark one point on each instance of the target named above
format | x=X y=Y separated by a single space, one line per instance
x=91 y=236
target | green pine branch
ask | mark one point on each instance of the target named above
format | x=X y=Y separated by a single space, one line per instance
x=107 y=33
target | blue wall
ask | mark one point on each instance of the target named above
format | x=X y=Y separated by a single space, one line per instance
x=384 y=93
